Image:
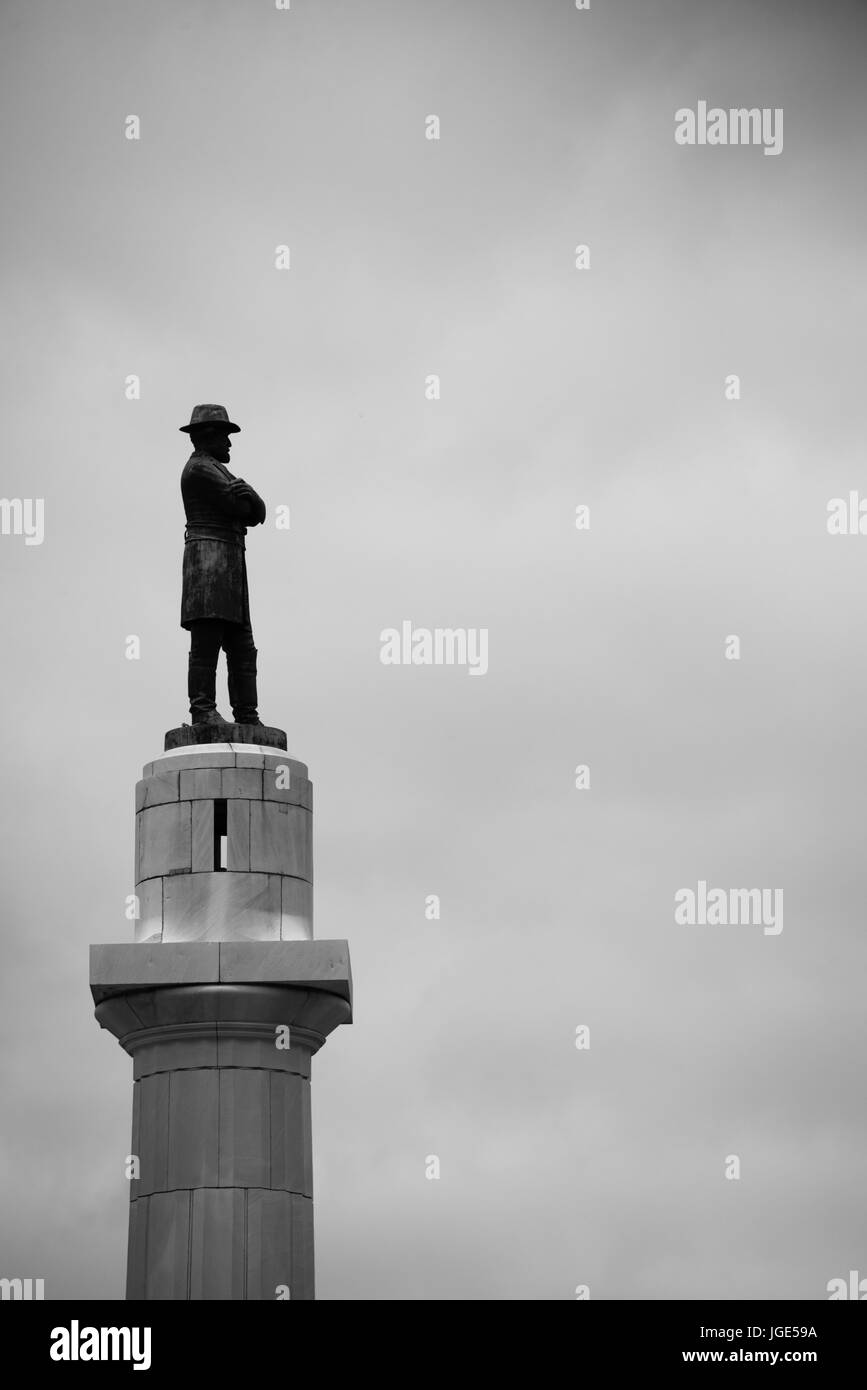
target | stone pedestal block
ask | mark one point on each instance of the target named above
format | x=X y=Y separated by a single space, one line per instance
x=221 y=1003
x=224 y=845
x=221 y=1038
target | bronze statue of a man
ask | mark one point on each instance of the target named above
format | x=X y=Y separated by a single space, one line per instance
x=215 y=605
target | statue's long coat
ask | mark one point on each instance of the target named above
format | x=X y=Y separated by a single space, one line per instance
x=215 y=572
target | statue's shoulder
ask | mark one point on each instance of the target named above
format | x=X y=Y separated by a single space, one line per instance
x=197 y=466
x=204 y=465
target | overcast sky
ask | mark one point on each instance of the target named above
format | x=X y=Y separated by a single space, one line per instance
x=604 y=386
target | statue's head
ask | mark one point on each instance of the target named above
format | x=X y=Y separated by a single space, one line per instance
x=209 y=429
x=215 y=440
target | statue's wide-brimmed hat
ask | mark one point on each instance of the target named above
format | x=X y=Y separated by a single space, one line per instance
x=210 y=415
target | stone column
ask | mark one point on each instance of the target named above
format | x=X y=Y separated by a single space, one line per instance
x=222 y=1001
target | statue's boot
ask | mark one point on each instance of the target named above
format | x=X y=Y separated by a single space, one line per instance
x=243 y=694
x=202 y=691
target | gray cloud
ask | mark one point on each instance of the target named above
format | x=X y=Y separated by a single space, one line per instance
x=559 y=1167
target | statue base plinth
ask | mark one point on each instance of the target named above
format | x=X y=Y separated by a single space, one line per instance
x=258 y=734
x=221 y=1035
